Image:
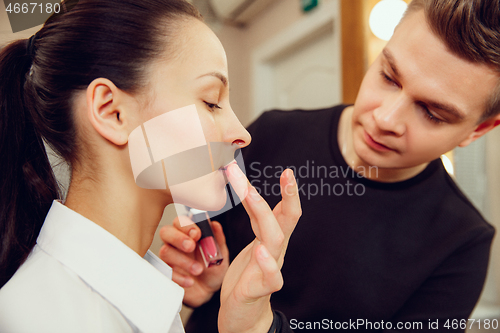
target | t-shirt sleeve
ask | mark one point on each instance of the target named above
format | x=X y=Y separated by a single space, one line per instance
x=444 y=302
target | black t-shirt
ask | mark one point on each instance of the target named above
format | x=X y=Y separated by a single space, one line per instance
x=363 y=252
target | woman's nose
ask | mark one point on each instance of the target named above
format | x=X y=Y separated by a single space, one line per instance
x=235 y=133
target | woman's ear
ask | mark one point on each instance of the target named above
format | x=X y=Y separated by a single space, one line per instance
x=108 y=110
x=481 y=130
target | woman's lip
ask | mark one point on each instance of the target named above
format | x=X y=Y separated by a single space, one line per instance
x=375 y=145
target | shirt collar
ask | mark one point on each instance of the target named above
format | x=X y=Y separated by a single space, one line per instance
x=140 y=288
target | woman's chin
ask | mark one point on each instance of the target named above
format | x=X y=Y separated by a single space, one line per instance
x=209 y=202
x=204 y=193
x=214 y=205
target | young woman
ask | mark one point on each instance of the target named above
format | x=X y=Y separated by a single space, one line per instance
x=82 y=84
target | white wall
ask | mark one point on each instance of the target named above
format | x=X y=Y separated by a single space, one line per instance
x=239 y=44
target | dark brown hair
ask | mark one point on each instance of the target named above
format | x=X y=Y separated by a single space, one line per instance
x=471 y=30
x=114 y=39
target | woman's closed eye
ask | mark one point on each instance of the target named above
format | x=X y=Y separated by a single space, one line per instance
x=212 y=106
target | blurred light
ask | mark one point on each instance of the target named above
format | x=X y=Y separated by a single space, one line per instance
x=448 y=165
x=385 y=16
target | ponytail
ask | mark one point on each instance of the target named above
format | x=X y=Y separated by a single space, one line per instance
x=27 y=183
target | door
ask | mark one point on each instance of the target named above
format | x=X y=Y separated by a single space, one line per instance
x=301 y=66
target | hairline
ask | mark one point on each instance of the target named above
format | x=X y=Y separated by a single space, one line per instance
x=494 y=98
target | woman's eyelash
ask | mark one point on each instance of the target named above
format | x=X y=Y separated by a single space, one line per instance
x=212 y=106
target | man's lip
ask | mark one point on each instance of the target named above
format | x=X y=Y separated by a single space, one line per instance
x=375 y=144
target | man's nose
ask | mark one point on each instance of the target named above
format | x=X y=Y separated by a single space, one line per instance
x=391 y=115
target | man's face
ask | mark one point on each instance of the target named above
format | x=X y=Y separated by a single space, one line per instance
x=418 y=100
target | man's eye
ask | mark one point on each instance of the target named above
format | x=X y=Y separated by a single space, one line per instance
x=212 y=106
x=431 y=117
x=387 y=78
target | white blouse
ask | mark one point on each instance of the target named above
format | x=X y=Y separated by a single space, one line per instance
x=81 y=278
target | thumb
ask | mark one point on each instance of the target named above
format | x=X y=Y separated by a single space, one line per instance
x=272 y=280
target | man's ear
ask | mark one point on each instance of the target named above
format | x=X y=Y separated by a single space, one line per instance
x=107 y=111
x=481 y=130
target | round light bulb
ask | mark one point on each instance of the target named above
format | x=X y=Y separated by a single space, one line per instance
x=385 y=16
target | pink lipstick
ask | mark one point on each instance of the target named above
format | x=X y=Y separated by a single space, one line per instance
x=207 y=245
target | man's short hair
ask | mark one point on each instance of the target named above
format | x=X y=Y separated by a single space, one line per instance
x=471 y=30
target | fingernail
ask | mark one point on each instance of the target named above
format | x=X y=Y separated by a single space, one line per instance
x=236 y=171
x=196 y=268
x=192 y=233
x=254 y=195
x=186 y=244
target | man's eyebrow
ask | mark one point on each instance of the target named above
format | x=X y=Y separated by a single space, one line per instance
x=390 y=59
x=218 y=75
x=451 y=109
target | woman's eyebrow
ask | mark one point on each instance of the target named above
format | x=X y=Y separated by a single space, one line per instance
x=218 y=75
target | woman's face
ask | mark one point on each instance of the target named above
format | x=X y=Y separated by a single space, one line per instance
x=196 y=74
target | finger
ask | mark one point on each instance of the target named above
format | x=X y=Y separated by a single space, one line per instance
x=238 y=180
x=179 y=239
x=176 y=238
x=182 y=280
x=272 y=280
x=241 y=185
x=175 y=258
x=265 y=225
x=187 y=226
x=289 y=208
